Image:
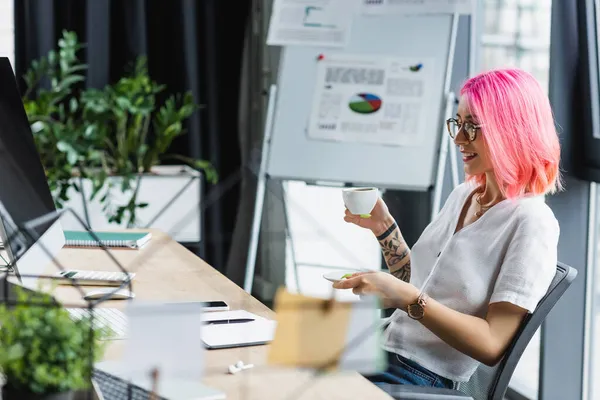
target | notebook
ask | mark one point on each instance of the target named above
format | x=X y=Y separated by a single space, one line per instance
x=130 y=240
x=221 y=336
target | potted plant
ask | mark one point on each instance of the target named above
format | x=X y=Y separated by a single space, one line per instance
x=104 y=149
x=44 y=354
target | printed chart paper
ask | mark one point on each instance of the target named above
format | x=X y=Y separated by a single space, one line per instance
x=417 y=6
x=311 y=23
x=372 y=99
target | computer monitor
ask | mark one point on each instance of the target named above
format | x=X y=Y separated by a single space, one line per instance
x=24 y=191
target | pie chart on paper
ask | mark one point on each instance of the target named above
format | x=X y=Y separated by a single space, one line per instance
x=365 y=103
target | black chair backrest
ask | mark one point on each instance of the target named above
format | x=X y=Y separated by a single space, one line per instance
x=491 y=383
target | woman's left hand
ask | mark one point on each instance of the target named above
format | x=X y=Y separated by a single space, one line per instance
x=394 y=292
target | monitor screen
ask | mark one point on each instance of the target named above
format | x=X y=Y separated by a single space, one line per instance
x=24 y=191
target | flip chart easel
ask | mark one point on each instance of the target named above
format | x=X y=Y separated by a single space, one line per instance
x=288 y=154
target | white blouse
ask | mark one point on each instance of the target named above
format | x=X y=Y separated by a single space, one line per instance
x=509 y=254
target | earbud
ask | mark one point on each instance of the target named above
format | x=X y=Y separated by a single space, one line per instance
x=239 y=366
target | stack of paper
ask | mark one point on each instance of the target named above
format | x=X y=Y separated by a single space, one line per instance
x=259 y=331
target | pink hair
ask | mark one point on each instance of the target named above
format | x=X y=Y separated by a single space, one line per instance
x=518 y=129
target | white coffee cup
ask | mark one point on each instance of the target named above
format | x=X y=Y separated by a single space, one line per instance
x=360 y=201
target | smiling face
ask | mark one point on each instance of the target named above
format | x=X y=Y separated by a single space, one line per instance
x=474 y=152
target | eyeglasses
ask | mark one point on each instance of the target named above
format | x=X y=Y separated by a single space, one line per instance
x=470 y=129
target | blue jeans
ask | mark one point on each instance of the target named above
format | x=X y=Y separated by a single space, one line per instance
x=402 y=371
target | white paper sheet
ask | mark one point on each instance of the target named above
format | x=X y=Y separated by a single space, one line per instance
x=372 y=99
x=166 y=336
x=260 y=331
x=418 y=6
x=311 y=22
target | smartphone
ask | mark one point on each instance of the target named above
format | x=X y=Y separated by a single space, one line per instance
x=215 y=306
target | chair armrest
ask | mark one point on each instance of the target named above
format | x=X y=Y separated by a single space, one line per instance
x=410 y=392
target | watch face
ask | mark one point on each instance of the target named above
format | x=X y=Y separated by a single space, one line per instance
x=415 y=311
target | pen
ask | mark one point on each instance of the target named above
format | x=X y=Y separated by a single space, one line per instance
x=229 y=321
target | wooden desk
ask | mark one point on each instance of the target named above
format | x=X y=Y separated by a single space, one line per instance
x=165 y=270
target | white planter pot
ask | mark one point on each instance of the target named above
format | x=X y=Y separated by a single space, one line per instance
x=173 y=197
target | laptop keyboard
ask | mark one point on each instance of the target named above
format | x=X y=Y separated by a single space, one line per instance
x=112 y=318
x=115 y=388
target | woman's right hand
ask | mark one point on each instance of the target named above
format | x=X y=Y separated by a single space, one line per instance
x=380 y=219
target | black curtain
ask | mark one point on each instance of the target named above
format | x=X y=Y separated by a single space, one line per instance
x=190 y=45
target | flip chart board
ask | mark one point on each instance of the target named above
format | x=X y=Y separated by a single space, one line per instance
x=369 y=114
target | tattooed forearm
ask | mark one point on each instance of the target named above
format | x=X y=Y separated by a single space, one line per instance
x=403 y=273
x=395 y=259
x=396 y=253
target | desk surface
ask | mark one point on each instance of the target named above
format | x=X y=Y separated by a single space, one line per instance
x=165 y=270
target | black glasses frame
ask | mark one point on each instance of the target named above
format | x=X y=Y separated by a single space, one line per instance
x=470 y=128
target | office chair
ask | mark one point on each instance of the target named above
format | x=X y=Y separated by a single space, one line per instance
x=491 y=383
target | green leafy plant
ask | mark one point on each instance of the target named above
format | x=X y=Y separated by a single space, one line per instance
x=42 y=350
x=119 y=131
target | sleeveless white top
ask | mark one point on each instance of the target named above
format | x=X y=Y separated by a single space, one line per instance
x=509 y=254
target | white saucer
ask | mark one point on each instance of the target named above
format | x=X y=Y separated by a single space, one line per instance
x=335 y=276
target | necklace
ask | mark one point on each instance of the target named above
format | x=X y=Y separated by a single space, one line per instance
x=482 y=208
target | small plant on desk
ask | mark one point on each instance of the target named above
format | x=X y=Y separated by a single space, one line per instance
x=44 y=354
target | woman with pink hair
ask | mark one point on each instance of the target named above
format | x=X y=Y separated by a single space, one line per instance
x=490 y=254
